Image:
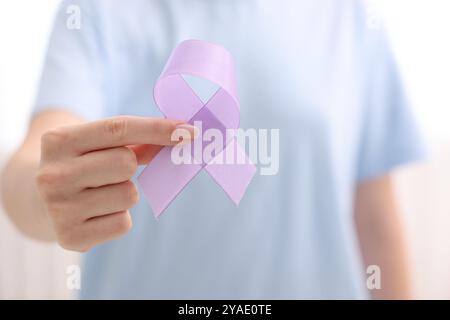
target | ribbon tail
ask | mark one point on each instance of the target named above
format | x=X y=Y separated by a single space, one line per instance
x=234 y=177
x=162 y=180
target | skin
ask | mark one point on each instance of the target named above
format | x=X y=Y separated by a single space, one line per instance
x=382 y=237
x=76 y=177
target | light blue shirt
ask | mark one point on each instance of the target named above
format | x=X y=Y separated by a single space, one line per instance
x=312 y=69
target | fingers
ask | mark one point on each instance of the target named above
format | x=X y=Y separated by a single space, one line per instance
x=145 y=152
x=104 y=200
x=105 y=167
x=119 y=131
x=85 y=171
x=107 y=227
x=96 y=231
x=111 y=166
x=91 y=170
x=72 y=216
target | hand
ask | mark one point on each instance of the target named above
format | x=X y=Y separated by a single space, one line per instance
x=85 y=171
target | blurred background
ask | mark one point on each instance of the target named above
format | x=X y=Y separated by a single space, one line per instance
x=420 y=33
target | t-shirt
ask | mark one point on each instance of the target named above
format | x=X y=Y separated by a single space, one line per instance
x=314 y=70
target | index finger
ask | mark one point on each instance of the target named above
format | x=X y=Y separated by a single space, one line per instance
x=122 y=131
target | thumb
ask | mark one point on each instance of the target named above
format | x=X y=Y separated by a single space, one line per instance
x=145 y=152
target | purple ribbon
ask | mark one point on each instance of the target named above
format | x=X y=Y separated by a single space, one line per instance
x=162 y=180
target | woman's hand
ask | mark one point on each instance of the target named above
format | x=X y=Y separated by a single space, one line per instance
x=84 y=175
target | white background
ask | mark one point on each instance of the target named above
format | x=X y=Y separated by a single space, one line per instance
x=420 y=30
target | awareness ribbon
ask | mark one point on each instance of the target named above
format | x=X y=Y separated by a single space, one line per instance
x=162 y=180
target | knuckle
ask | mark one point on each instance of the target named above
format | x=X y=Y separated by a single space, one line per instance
x=43 y=178
x=116 y=127
x=55 y=137
x=56 y=211
x=51 y=176
x=70 y=240
x=61 y=210
x=63 y=221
